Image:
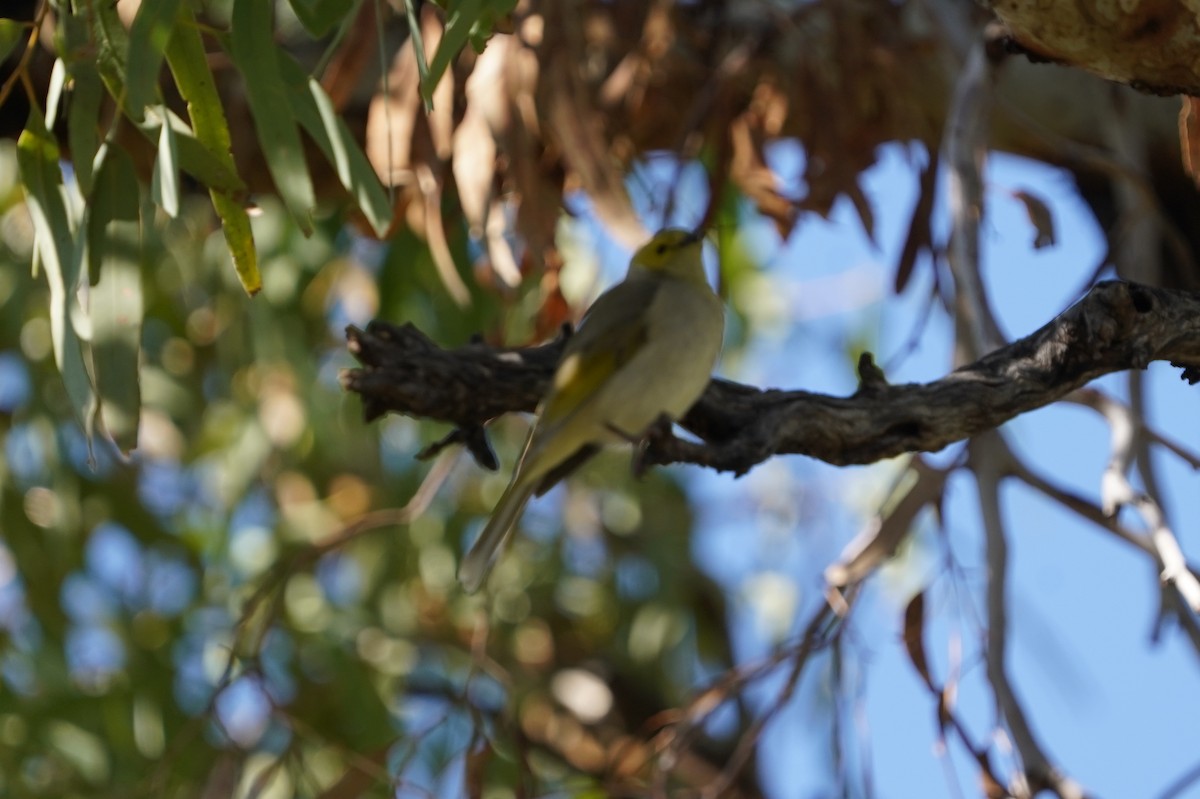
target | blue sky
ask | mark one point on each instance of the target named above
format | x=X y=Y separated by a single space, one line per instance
x=1112 y=707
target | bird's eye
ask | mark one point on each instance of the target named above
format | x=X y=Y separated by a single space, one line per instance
x=660 y=249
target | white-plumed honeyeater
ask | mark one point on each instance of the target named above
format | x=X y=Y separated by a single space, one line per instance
x=644 y=350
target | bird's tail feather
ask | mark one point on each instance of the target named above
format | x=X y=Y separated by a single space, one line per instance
x=478 y=561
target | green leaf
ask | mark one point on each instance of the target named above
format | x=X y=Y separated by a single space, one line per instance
x=12 y=33
x=109 y=42
x=115 y=199
x=114 y=240
x=148 y=37
x=164 y=183
x=462 y=18
x=189 y=66
x=235 y=221
x=485 y=26
x=58 y=79
x=37 y=158
x=87 y=92
x=254 y=52
x=414 y=30
x=315 y=112
x=194 y=158
x=319 y=17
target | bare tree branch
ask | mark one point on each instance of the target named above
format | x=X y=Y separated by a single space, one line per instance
x=991 y=459
x=1117 y=491
x=976 y=331
x=1116 y=326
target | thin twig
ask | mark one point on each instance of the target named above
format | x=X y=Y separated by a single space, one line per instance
x=990 y=458
x=19 y=72
x=1116 y=492
x=1182 y=783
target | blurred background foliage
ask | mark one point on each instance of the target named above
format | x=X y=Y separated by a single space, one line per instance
x=260 y=600
x=222 y=610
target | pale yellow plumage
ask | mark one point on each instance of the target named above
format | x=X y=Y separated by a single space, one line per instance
x=645 y=348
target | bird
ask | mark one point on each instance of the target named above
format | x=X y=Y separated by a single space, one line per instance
x=644 y=353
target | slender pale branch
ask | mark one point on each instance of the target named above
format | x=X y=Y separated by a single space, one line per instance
x=990 y=459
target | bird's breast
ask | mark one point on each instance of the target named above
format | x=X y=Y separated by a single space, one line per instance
x=673 y=366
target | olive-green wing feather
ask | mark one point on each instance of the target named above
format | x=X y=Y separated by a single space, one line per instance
x=566 y=467
x=611 y=333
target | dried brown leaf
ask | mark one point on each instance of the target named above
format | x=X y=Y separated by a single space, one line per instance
x=353 y=54
x=430 y=186
x=914 y=637
x=555 y=310
x=485 y=121
x=441 y=119
x=623 y=80
x=504 y=261
x=945 y=710
x=748 y=171
x=1189 y=137
x=392 y=121
x=770 y=105
x=537 y=177
x=399 y=135
x=919 y=237
x=866 y=214
x=992 y=787
x=474 y=167
x=578 y=130
x=1040 y=217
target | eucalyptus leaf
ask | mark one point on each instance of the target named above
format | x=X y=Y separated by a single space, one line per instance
x=164 y=182
x=115 y=240
x=148 y=37
x=254 y=53
x=316 y=114
x=414 y=30
x=83 y=120
x=38 y=159
x=319 y=17
x=12 y=33
x=189 y=66
x=58 y=79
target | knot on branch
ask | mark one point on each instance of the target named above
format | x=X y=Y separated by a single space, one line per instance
x=870 y=376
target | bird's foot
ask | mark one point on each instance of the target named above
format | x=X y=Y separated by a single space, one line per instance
x=659 y=428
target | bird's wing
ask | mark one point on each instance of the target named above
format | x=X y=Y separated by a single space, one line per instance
x=611 y=333
x=564 y=468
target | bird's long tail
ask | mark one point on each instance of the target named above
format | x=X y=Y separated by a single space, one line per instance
x=478 y=562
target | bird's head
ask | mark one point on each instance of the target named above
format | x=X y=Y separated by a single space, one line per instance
x=673 y=252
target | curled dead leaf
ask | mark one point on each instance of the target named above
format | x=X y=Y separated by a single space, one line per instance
x=392 y=121
x=748 y=171
x=919 y=236
x=474 y=168
x=1189 y=136
x=430 y=185
x=914 y=637
x=1040 y=216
